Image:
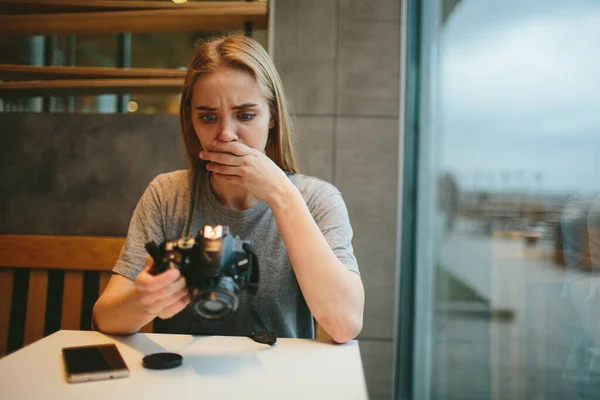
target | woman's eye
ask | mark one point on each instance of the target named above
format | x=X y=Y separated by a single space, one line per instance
x=208 y=118
x=246 y=116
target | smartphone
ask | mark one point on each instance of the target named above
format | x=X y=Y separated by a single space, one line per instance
x=93 y=363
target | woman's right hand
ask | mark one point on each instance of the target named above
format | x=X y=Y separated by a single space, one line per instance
x=162 y=295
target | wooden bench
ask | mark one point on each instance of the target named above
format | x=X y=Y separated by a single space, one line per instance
x=75 y=255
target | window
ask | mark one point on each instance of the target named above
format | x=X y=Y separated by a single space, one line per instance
x=502 y=229
x=160 y=41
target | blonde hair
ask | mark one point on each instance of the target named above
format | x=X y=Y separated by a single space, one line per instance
x=245 y=54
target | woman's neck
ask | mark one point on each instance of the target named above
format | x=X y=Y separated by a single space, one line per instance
x=232 y=196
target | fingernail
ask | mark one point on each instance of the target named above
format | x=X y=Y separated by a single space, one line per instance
x=201 y=154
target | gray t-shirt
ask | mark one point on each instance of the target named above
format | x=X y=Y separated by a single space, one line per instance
x=163 y=213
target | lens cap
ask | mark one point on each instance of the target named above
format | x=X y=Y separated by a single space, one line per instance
x=162 y=361
x=265 y=337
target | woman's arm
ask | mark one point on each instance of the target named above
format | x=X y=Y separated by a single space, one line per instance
x=116 y=311
x=334 y=294
x=125 y=306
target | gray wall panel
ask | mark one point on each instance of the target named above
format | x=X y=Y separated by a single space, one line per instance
x=377 y=358
x=284 y=44
x=368 y=63
x=314 y=146
x=81 y=174
x=316 y=57
x=375 y=10
x=366 y=165
x=305 y=53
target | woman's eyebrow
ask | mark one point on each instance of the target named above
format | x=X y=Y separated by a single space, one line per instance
x=205 y=108
x=242 y=106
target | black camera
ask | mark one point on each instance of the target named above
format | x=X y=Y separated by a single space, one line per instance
x=217 y=266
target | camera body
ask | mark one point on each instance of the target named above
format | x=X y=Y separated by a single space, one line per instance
x=218 y=268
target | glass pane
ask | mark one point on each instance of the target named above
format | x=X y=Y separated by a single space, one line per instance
x=98 y=50
x=513 y=107
x=15 y=49
x=169 y=50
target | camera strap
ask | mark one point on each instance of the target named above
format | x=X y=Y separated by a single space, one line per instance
x=263 y=335
x=194 y=183
x=257 y=319
x=254 y=272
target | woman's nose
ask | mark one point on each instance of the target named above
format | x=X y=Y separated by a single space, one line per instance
x=227 y=132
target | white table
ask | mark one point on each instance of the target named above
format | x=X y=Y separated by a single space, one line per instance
x=214 y=367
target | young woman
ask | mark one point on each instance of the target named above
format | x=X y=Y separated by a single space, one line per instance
x=237 y=134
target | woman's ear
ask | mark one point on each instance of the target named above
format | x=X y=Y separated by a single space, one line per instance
x=272 y=123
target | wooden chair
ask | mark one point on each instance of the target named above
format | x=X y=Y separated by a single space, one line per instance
x=42 y=254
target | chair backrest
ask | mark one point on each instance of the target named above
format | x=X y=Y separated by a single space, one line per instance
x=40 y=255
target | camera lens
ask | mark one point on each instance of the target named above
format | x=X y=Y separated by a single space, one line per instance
x=218 y=301
x=213 y=306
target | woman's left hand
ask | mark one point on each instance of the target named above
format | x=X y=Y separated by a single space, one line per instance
x=246 y=167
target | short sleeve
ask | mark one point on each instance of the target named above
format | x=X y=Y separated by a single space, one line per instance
x=331 y=216
x=146 y=225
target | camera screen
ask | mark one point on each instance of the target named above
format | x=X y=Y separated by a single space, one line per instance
x=88 y=359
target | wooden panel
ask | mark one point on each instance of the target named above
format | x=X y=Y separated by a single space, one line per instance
x=60 y=252
x=72 y=300
x=41 y=6
x=320 y=333
x=148 y=328
x=104 y=278
x=36 y=306
x=35 y=72
x=6 y=289
x=89 y=86
x=221 y=16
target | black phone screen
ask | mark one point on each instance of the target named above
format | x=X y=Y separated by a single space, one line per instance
x=97 y=358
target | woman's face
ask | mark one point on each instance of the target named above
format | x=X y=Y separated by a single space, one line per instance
x=227 y=105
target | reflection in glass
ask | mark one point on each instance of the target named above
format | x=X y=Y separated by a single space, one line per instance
x=580 y=225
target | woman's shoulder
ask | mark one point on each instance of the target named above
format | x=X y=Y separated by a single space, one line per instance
x=313 y=189
x=172 y=182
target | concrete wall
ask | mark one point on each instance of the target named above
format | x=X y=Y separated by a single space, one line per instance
x=339 y=61
x=81 y=174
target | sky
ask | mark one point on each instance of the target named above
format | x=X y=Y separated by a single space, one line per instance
x=519 y=95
